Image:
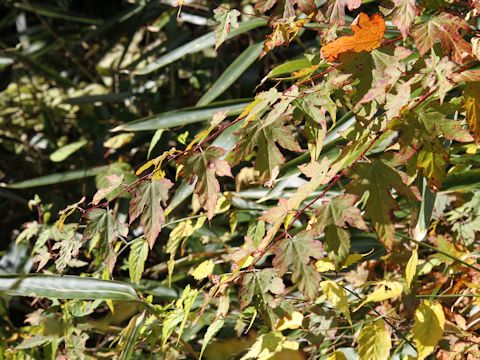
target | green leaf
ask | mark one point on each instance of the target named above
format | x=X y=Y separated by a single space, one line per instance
x=147 y=198
x=379 y=179
x=276 y=216
x=35 y=341
x=374 y=342
x=337 y=296
x=103 y=226
x=155 y=139
x=260 y=284
x=185 y=304
x=212 y=330
x=181 y=232
x=411 y=268
x=130 y=335
x=204 y=166
x=101 y=222
x=288 y=67
x=226 y=19
x=57 y=178
x=53 y=12
x=432 y=160
x=66 y=287
x=65 y=151
x=296 y=252
x=180 y=117
x=231 y=73
x=136 y=259
x=69 y=247
x=386 y=290
x=332 y=218
x=265 y=138
x=428 y=327
x=388 y=70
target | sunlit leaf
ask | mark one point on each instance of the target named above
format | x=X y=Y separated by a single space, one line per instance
x=374 y=341
x=428 y=327
x=368 y=34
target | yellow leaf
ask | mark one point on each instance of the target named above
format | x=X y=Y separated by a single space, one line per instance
x=354 y=258
x=203 y=270
x=337 y=355
x=428 y=327
x=368 y=35
x=324 y=265
x=472 y=106
x=336 y=295
x=294 y=322
x=387 y=290
x=411 y=269
x=374 y=341
x=117 y=141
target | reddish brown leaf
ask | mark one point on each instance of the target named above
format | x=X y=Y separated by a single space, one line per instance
x=445 y=28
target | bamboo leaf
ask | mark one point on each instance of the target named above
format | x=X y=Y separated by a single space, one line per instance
x=65 y=151
x=231 y=73
x=66 y=287
x=57 y=178
x=199 y=44
x=179 y=118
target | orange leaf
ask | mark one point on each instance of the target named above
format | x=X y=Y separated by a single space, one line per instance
x=368 y=35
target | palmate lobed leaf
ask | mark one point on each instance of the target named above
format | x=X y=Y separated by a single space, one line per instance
x=368 y=33
x=226 y=20
x=146 y=203
x=335 y=10
x=296 y=252
x=265 y=138
x=443 y=27
x=404 y=15
x=205 y=166
x=378 y=178
x=421 y=134
x=331 y=219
